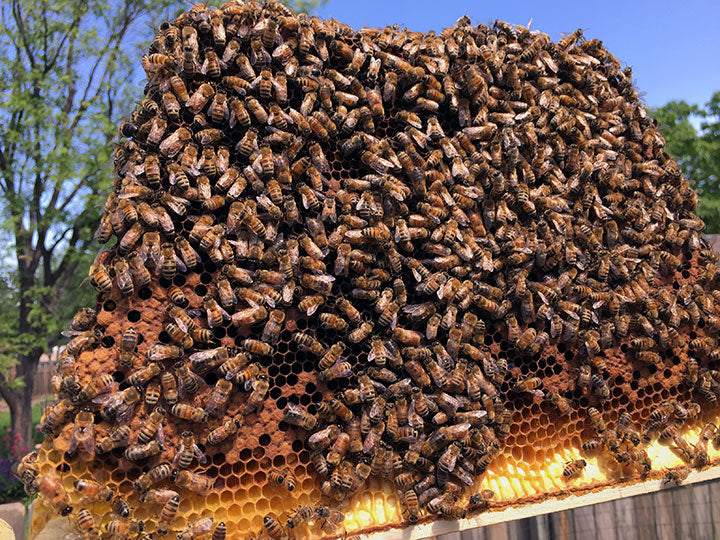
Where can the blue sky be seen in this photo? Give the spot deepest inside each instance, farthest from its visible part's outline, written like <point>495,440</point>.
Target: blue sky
<point>673,47</point>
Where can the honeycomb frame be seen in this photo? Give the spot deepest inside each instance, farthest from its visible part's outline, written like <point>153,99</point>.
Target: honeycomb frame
<point>242,493</point>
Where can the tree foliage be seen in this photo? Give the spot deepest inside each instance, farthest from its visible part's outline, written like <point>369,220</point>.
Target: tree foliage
<point>692,133</point>
<point>69,72</point>
<point>64,83</point>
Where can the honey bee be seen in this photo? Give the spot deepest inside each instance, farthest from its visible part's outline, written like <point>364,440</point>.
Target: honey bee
<point>300,516</point>
<point>295,415</point>
<point>412,506</point>
<point>562,404</point>
<point>118,438</point>
<point>677,476</point>
<point>271,331</point>
<point>143,451</point>
<point>119,527</point>
<point>584,375</point>
<point>26,471</point>
<point>154,476</point>
<point>120,405</point>
<point>83,433</point>
<point>151,426</point>
<point>215,314</point>
<point>92,491</point>
<point>188,450</point>
<point>350,311</point>
<point>257,347</point>
<point>683,448</point>
<point>260,387</point>
<point>167,515</point>
<point>86,523</point>
<point>227,429</point>
<point>272,527</point>
<point>596,420</point>
<point>200,528</point>
<point>52,489</point>
<point>197,483</point>
<point>140,377</point>
<point>574,468</point>
<point>706,434</point>
<point>189,412</point>
<point>178,336</point>
<point>600,387</point>
<point>528,385</point>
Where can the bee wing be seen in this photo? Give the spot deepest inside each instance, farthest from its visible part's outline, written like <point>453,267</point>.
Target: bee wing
<point>312,309</point>
<point>143,252</point>
<point>572,314</point>
<point>269,300</point>
<point>380,387</point>
<point>180,263</point>
<point>210,318</point>
<point>156,256</point>
<point>103,398</point>
<point>415,420</point>
<point>161,435</point>
<point>276,85</point>
<point>88,441</point>
<point>177,457</point>
<point>287,292</point>
<point>73,441</point>
<point>199,454</point>
<point>202,355</point>
<point>393,321</point>
<point>158,266</point>
<point>126,414</point>
<point>181,324</point>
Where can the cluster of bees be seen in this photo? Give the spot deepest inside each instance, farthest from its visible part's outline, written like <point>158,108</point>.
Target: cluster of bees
<point>493,181</point>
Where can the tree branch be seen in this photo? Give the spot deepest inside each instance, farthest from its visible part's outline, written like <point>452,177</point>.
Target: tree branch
<point>17,15</point>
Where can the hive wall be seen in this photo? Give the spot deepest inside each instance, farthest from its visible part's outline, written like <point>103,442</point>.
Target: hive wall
<point>569,217</point>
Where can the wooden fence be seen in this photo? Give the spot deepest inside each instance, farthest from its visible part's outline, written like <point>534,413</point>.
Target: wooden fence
<point>684,513</point>
<point>43,376</point>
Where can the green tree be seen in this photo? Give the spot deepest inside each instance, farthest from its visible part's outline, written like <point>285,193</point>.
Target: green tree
<point>64,82</point>
<point>696,149</point>
<point>68,72</point>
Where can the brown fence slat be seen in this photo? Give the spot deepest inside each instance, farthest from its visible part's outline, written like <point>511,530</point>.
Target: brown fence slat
<point>681,506</point>
<point>475,534</point>
<point>497,532</point>
<point>702,516</point>
<point>664,515</point>
<point>715,507</point>
<point>542,527</point>
<point>644,517</point>
<point>624,518</point>
<point>562,525</point>
<point>605,521</point>
<point>43,379</point>
<point>584,521</point>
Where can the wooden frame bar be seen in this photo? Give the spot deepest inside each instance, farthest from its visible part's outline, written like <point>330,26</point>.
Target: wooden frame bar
<point>430,530</point>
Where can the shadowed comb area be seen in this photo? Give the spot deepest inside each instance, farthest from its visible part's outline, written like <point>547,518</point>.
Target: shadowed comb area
<point>361,279</point>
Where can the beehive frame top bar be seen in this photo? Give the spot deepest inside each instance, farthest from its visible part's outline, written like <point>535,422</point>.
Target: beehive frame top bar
<point>357,280</point>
